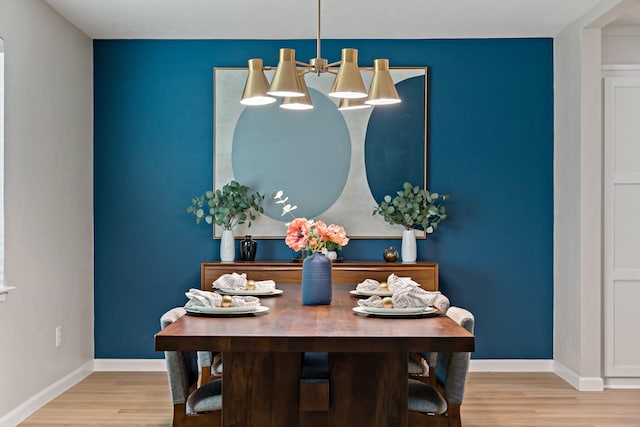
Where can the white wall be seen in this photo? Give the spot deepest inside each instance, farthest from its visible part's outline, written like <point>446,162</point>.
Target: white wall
<point>567,72</point>
<point>49,202</point>
<point>621,46</point>
<point>578,318</point>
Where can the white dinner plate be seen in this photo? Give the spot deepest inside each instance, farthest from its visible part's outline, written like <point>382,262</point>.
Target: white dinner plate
<point>371,293</point>
<point>255,292</point>
<point>226,310</point>
<point>395,312</point>
<point>406,310</point>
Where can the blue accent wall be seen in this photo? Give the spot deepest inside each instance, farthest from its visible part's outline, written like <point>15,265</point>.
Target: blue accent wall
<point>490,145</point>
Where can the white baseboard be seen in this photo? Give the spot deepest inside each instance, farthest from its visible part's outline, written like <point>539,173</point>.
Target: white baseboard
<point>476,365</point>
<point>129,365</point>
<point>37,401</point>
<point>578,382</point>
<point>481,365</point>
<point>511,365</point>
<point>622,383</point>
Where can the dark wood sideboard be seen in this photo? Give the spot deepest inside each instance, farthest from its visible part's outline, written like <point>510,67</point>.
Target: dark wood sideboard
<point>348,272</point>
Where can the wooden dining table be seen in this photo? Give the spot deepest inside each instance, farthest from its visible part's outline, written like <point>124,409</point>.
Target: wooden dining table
<point>368,380</point>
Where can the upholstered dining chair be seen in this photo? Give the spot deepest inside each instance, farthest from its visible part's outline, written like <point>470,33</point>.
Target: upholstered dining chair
<point>193,406</point>
<point>209,367</point>
<point>422,364</point>
<point>440,405</point>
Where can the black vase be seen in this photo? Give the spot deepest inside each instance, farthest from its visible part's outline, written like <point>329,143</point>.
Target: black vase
<point>248,249</point>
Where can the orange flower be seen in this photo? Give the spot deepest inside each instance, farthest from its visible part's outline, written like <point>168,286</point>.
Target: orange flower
<point>298,234</point>
<point>321,228</point>
<point>337,234</point>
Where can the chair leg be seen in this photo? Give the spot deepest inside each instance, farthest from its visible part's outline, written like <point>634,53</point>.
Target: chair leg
<point>207,419</point>
<point>179,414</point>
<point>419,419</point>
<point>453,414</point>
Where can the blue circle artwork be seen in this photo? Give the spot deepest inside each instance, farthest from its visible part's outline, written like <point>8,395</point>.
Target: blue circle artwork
<point>307,154</point>
<point>394,145</point>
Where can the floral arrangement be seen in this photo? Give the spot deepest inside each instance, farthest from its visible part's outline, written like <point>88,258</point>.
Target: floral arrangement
<point>314,235</point>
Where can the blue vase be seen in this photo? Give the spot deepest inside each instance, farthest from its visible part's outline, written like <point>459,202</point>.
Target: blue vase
<point>316,280</point>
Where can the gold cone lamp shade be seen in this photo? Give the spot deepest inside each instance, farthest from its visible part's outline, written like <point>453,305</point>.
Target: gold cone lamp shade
<point>255,89</point>
<point>289,83</point>
<point>285,81</point>
<point>348,82</point>
<point>382,90</point>
<point>352,104</point>
<point>298,102</point>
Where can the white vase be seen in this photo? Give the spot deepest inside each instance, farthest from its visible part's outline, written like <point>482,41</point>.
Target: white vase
<point>227,246</point>
<point>408,251</point>
<point>332,255</point>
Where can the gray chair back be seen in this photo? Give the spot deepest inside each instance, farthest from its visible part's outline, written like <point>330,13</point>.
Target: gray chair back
<point>182,367</point>
<point>452,368</point>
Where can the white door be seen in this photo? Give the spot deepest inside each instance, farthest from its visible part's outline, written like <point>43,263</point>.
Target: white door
<point>622,227</point>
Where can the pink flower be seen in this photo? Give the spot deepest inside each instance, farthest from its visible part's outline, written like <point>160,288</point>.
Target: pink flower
<point>321,228</point>
<point>337,234</point>
<point>298,234</point>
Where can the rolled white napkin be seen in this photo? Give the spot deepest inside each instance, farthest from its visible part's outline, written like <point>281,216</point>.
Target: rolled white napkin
<point>232,282</point>
<point>198,298</point>
<point>406,294</point>
<point>237,282</point>
<point>265,285</point>
<point>396,283</point>
<point>393,282</point>
<point>368,285</point>
<point>441,303</point>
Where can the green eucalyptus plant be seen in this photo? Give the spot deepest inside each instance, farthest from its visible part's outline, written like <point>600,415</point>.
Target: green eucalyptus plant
<point>231,205</point>
<point>413,207</point>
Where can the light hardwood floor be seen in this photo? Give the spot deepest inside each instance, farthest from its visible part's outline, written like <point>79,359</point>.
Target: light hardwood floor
<point>491,399</point>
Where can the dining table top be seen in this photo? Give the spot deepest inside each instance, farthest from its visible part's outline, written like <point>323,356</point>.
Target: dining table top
<point>290,326</point>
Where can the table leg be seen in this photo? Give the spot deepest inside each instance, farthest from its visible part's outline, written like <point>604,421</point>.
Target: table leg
<point>369,389</point>
<point>260,389</point>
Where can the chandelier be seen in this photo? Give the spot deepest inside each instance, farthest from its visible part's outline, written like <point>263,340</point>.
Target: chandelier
<point>288,81</point>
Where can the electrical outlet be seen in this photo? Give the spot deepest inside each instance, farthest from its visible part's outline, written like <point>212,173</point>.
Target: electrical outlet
<point>58,336</point>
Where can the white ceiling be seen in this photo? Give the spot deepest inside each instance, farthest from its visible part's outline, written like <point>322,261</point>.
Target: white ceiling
<point>297,19</point>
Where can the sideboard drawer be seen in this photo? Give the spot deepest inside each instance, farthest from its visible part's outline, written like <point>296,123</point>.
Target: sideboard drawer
<point>352,272</point>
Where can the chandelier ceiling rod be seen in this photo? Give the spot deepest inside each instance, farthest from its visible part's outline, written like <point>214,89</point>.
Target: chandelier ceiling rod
<point>318,34</point>
<point>318,64</point>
